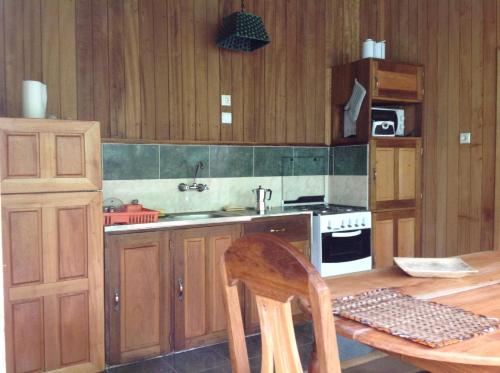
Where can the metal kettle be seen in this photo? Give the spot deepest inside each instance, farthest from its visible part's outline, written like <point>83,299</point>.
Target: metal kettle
<point>261,194</point>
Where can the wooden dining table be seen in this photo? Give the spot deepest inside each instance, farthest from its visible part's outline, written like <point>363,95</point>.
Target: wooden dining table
<point>478,293</point>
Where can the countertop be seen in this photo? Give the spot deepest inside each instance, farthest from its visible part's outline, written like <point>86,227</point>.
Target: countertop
<point>227,217</point>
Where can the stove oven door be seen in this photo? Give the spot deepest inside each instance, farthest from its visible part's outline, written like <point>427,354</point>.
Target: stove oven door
<point>345,252</point>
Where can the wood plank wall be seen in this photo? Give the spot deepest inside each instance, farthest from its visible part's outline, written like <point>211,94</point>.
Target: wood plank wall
<point>150,70</point>
<point>457,41</point>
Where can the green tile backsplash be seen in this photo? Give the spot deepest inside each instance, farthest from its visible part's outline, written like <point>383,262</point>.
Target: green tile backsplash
<point>273,161</point>
<point>180,161</point>
<point>130,162</point>
<point>310,161</point>
<point>350,160</point>
<point>231,161</point>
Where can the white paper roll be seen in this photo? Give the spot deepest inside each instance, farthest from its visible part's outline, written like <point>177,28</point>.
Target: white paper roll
<point>34,99</point>
<point>368,48</point>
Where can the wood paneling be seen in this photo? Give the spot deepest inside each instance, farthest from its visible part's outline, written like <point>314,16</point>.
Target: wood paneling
<point>150,69</point>
<point>27,319</point>
<point>140,292</point>
<point>456,40</point>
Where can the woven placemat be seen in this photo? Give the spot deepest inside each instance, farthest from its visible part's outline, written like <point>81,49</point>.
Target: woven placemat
<point>429,323</point>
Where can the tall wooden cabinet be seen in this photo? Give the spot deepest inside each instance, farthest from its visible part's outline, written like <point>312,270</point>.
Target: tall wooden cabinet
<point>138,294</point>
<point>200,316</point>
<point>52,245</point>
<point>395,163</point>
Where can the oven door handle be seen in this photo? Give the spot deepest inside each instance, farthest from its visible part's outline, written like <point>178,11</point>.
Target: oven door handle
<point>347,234</point>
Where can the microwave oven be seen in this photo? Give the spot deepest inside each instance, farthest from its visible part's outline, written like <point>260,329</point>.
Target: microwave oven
<point>388,121</point>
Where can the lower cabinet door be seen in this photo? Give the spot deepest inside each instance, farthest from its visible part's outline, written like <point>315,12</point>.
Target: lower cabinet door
<point>138,296</point>
<point>395,233</point>
<point>200,316</point>
<point>53,277</point>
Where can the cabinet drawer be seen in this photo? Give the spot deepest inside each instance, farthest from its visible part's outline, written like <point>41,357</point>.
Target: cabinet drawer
<point>293,228</point>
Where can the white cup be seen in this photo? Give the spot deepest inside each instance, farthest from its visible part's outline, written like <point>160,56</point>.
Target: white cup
<point>34,99</point>
<point>368,48</point>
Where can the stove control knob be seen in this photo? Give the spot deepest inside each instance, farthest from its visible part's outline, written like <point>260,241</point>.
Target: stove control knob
<point>363,222</point>
<point>356,224</point>
<point>349,224</point>
<point>342,224</point>
<point>329,226</point>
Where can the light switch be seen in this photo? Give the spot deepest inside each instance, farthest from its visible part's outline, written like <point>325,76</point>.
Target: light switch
<point>465,138</point>
<point>225,100</point>
<point>226,118</point>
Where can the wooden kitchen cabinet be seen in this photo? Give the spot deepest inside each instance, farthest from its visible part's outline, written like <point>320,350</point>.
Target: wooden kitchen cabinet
<point>395,233</point>
<point>200,316</point>
<point>39,155</point>
<point>138,296</point>
<point>53,280</point>
<point>395,173</point>
<point>396,81</point>
<point>297,231</point>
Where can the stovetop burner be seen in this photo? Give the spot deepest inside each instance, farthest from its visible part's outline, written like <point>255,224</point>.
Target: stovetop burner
<point>336,209</point>
<point>328,209</point>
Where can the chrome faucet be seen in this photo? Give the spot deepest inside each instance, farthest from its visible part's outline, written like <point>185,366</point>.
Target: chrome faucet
<point>183,187</point>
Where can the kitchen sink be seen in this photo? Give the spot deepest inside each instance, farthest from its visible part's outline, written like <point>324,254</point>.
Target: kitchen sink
<point>200,215</point>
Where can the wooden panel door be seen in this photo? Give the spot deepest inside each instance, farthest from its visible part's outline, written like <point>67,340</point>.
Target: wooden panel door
<point>200,317</point>
<point>395,233</point>
<point>395,173</point>
<point>138,296</point>
<point>397,82</point>
<point>53,278</point>
<point>38,155</point>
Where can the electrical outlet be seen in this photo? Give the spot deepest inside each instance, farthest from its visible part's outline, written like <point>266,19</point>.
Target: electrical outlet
<point>465,138</point>
<point>225,100</point>
<point>226,118</point>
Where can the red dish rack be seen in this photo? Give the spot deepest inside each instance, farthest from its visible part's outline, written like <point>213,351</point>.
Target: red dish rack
<point>131,214</point>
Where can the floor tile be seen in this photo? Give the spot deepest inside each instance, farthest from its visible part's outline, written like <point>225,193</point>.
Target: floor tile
<point>198,360</point>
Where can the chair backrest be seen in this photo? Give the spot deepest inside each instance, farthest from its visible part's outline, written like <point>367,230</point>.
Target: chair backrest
<point>276,273</point>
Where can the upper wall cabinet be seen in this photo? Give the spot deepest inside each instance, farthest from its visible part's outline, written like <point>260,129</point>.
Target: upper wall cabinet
<point>395,82</point>
<point>49,156</point>
<point>387,84</point>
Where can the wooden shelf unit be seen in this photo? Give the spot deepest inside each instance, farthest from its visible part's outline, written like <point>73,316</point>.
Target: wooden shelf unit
<point>387,84</point>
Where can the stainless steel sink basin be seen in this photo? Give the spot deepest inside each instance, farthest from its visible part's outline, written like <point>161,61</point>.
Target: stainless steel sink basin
<point>194,215</point>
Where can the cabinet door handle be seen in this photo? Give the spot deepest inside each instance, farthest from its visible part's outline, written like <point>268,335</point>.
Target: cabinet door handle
<point>376,82</point>
<point>277,230</point>
<point>116,300</point>
<point>180,293</point>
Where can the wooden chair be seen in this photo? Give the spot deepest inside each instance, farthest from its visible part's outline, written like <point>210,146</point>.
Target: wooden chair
<point>276,272</point>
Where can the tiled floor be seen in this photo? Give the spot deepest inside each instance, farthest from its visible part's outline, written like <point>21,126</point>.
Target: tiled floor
<point>215,359</point>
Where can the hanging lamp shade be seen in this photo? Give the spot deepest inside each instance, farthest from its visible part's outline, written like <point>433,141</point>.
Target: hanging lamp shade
<point>242,31</point>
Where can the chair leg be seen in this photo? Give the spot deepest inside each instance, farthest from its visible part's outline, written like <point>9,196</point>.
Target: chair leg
<point>313,366</point>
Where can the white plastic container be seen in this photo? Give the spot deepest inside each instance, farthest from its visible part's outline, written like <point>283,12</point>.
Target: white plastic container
<point>368,48</point>
<point>34,99</point>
